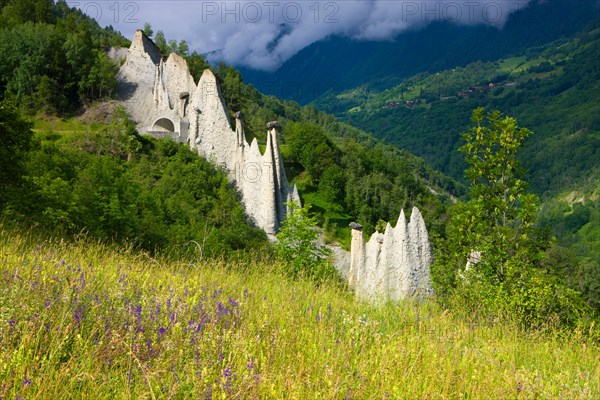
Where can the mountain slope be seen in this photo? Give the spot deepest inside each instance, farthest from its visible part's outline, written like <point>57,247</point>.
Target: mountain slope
<point>317,69</point>
<point>553,90</point>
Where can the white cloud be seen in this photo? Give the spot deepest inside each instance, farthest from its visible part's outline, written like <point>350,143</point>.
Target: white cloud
<point>263,34</point>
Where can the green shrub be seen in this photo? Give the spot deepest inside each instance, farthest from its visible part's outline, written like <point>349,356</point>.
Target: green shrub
<point>298,247</point>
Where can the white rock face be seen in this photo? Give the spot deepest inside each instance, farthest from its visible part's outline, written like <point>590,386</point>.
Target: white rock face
<point>163,100</point>
<point>393,265</point>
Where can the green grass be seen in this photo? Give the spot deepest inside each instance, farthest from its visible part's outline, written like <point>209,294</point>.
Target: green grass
<point>338,218</point>
<point>511,64</point>
<point>86,320</point>
<point>62,125</point>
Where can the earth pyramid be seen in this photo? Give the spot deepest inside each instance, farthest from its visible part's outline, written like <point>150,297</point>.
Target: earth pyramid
<point>164,101</point>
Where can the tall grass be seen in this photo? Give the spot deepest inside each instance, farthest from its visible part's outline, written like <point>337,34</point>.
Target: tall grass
<point>85,320</point>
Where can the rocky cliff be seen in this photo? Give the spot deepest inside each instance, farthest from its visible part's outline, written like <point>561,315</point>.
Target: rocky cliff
<point>164,101</point>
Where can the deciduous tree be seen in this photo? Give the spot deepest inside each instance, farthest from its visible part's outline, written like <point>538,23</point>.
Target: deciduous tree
<point>497,225</point>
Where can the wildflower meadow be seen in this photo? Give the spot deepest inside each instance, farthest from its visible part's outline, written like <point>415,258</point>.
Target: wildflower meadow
<point>88,320</point>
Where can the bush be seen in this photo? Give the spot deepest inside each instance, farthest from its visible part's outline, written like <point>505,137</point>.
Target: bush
<point>298,247</point>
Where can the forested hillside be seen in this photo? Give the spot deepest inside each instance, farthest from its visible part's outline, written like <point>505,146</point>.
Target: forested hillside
<point>553,89</point>
<point>53,57</point>
<point>343,173</point>
<point>106,181</point>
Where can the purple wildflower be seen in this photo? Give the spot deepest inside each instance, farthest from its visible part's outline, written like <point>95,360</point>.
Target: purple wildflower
<point>227,374</point>
<point>208,393</point>
<point>78,314</point>
<point>138,311</point>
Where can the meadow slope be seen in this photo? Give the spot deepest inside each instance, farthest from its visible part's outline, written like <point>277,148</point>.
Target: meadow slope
<point>86,320</point>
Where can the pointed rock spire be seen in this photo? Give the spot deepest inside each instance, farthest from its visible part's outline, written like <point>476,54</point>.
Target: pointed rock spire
<point>154,90</point>
<point>393,265</point>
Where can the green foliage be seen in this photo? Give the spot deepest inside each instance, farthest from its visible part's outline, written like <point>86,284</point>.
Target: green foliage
<point>498,219</point>
<point>58,65</point>
<point>560,105</point>
<point>588,280</point>
<point>116,185</point>
<point>235,93</point>
<point>171,46</point>
<point>497,223</point>
<point>22,11</point>
<point>161,42</point>
<point>148,30</point>
<point>309,146</point>
<point>197,64</point>
<point>298,247</point>
<point>15,138</point>
<point>100,81</point>
<point>551,89</point>
<point>54,64</point>
<point>574,217</point>
<point>342,173</point>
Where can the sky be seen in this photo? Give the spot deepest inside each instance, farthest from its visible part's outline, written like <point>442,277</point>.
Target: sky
<point>263,34</point>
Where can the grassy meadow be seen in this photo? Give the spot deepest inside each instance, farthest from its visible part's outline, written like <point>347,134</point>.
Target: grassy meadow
<point>88,320</point>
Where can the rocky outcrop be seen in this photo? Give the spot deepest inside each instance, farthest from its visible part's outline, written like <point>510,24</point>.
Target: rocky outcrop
<point>393,265</point>
<point>163,99</point>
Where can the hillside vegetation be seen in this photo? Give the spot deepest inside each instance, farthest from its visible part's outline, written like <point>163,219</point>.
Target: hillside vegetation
<point>342,174</point>
<point>91,320</point>
<point>108,182</point>
<point>553,89</point>
<point>52,57</point>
